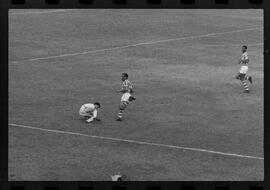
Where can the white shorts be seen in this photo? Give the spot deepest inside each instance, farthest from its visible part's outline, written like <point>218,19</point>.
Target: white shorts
<point>243,69</point>
<point>125,97</point>
<point>82,112</point>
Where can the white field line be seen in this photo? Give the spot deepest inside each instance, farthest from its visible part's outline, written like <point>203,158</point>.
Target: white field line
<point>138,142</point>
<point>134,45</point>
<point>229,45</point>
<point>39,12</point>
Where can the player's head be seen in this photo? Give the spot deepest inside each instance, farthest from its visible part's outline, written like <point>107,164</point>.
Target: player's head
<point>124,76</point>
<point>244,48</point>
<point>97,105</point>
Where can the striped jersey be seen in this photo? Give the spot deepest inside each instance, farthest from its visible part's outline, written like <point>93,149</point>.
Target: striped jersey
<point>244,58</point>
<point>127,86</point>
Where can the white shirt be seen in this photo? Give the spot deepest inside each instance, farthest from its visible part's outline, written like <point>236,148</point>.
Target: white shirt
<point>90,108</point>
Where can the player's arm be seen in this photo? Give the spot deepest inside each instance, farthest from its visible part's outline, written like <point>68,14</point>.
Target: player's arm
<point>240,61</point>
<point>87,109</point>
<point>93,117</point>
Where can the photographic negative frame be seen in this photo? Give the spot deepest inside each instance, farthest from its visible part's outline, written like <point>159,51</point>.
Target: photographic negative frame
<point>50,4</point>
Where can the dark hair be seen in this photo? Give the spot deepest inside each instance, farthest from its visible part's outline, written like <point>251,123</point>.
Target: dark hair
<point>97,103</point>
<point>125,74</point>
<point>244,46</point>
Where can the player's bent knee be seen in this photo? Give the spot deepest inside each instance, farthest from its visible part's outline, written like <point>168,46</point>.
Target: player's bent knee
<point>242,76</point>
<point>122,106</point>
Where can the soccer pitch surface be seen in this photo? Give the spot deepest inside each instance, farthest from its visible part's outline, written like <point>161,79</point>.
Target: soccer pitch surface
<point>190,121</point>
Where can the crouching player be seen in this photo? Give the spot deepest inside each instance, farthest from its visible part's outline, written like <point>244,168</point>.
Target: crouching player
<point>89,111</point>
<point>127,90</point>
<point>242,75</point>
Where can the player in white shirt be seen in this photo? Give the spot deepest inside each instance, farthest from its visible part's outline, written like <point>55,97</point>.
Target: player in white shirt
<point>242,75</point>
<point>89,111</point>
<point>127,90</point>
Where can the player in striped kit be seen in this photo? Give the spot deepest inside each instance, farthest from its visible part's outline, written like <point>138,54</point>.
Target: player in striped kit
<point>242,75</point>
<point>89,111</point>
<point>127,90</point>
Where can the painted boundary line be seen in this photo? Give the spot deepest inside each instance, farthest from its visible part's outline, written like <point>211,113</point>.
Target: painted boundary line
<point>229,45</point>
<point>138,142</point>
<point>134,45</point>
<point>39,12</point>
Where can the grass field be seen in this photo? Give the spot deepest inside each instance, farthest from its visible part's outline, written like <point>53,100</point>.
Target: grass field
<point>182,64</point>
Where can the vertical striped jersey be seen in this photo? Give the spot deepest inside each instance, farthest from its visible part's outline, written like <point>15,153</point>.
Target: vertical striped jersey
<point>127,86</point>
<point>244,58</point>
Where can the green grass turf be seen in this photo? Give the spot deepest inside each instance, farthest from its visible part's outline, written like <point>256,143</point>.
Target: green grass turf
<point>186,95</point>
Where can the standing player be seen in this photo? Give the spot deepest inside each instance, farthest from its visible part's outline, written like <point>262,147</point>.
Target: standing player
<point>89,111</point>
<point>242,75</point>
<point>127,90</point>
